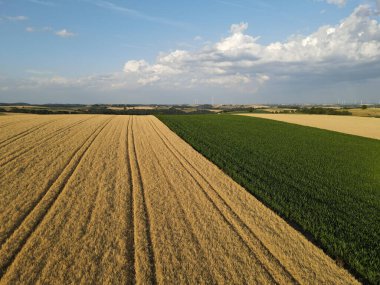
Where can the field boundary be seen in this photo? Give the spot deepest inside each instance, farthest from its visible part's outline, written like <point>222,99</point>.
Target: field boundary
<point>240,224</point>
<point>307,234</point>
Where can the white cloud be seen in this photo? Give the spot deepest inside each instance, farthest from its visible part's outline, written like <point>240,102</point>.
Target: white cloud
<point>135,66</point>
<point>238,28</point>
<point>64,33</point>
<point>38,72</point>
<point>339,3</point>
<point>331,52</point>
<point>36,29</point>
<point>44,3</point>
<point>16,18</point>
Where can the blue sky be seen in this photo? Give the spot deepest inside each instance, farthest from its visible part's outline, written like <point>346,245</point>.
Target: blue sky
<point>92,51</point>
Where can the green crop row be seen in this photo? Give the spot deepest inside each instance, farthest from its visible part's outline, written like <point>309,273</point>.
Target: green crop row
<point>325,183</point>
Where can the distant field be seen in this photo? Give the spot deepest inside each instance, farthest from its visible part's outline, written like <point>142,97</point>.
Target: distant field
<point>366,127</point>
<point>369,112</point>
<point>327,183</point>
<point>122,200</point>
<point>133,108</point>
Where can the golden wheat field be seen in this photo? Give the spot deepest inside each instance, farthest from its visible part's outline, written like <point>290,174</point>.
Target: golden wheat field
<point>122,200</point>
<point>359,126</point>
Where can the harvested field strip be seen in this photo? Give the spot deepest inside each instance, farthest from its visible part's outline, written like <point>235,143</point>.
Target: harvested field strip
<point>309,178</point>
<point>131,202</point>
<point>359,126</point>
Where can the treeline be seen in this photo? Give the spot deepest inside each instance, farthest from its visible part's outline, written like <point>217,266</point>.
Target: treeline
<point>244,110</point>
<point>37,111</point>
<point>323,111</point>
<point>168,111</point>
<point>95,110</point>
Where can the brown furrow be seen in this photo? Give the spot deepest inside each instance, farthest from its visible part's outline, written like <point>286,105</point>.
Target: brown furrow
<point>41,142</point>
<point>130,215</point>
<point>147,218</point>
<point>8,255</point>
<point>240,222</point>
<point>24,133</point>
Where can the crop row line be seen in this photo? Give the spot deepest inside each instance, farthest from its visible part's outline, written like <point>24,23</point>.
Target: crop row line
<point>141,211</point>
<point>24,133</point>
<point>41,142</point>
<point>24,229</point>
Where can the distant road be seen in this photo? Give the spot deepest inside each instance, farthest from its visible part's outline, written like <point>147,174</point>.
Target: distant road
<point>359,126</point>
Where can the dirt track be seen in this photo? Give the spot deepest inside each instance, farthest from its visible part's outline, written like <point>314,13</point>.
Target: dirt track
<point>122,199</point>
<point>359,126</point>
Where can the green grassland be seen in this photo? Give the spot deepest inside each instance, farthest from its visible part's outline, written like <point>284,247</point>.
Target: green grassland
<point>326,184</point>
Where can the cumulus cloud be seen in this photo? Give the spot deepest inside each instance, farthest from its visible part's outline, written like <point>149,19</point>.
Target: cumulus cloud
<point>44,3</point>
<point>30,29</point>
<point>340,52</point>
<point>16,18</point>
<point>64,33</point>
<point>35,29</point>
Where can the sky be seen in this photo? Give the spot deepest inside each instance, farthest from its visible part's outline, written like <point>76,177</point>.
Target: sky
<point>186,52</point>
